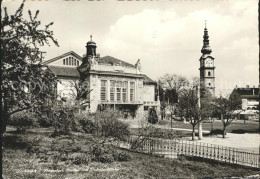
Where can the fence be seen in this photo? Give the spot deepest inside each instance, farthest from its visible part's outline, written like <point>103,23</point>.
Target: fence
<point>172,148</point>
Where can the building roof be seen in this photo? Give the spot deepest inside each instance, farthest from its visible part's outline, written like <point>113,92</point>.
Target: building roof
<point>61,56</point>
<point>248,93</point>
<point>114,61</point>
<point>65,71</point>
<point>148,80</point>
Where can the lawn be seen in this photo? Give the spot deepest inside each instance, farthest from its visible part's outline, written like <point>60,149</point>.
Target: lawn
<point>20,162</point>
<point>235,127</point>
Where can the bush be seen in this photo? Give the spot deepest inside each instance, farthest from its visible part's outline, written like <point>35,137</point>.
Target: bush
<point>109,125</point>
<point>107,154</point>
<point>124,157</point>
<point>81,159</point>
<point>152,117</point>
<point>22,121</point>
<point>163,122</point>
<point>106,158</point>
<point>216,132</point>
<point>45,121</point>
<point>86,123</point>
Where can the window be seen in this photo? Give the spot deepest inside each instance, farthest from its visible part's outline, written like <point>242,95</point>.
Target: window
<point>63,61</point>
<point>209,74</point>
<point>103,90</point>
<point>124,91</point>
<point>209,84</point>
<point>118,90</point>
<point>112,90</point>
<point>132,91</point>
<point>77,63</point>
<point>67,61</point>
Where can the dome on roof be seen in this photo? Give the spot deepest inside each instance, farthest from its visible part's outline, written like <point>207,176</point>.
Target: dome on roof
<point>92,43</point>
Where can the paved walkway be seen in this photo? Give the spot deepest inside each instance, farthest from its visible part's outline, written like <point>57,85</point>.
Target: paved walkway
<point>244,141</point>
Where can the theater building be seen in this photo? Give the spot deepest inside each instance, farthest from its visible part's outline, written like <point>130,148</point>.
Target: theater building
<point>112,82</point>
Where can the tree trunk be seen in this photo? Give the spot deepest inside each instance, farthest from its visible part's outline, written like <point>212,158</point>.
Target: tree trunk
<point>5,117</point>
<point>193,132</point>
<point>224,131</point>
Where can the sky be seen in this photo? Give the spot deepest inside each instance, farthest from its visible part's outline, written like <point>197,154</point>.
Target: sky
<point>166,35</point>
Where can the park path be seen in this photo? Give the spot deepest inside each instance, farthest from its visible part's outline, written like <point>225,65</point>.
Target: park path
<point>243,141</point>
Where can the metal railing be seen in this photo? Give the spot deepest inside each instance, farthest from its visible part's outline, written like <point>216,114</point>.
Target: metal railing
<point>172,148</point>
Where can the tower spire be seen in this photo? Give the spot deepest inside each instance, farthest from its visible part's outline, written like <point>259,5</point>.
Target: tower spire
<point>206,48</point>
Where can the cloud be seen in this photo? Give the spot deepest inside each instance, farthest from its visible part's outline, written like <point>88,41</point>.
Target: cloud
<point>167,42</point>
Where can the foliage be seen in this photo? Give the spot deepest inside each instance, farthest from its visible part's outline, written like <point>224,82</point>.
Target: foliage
<point>216,132</point>
<point>63,120</point>
<point>170,86</point>
<point>195,104</point>
<point>108,154</point>
<point>87,123</point>
<point>22,121</point>
<point>25,84</point>
<point>223,110</point>
<point>124,156</point>
<point>81,159</point>
<point>152,117</point>
<point>109,125</point>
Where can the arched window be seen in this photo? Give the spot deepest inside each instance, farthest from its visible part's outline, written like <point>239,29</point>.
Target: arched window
<point>77,63</point>
<point>66,61</point>
<point>209,84</point>
<point>69,61</point>
<point>63,61</point>
<point>209,74</point>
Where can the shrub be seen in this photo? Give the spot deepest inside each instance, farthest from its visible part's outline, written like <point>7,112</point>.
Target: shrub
<point>81,159</point>
<point>152,117</point>
<point>22,121</point>
<point>45,121</point>
<point>110,126</point>
<point>216,132</point>
<point>106,158</point>
<point>86,123</point>
<point>163,122</point>
<point>124,156</point>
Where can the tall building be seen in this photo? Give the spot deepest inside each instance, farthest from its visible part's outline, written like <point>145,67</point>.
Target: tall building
<point>207,68</point>
<point>112,82</point>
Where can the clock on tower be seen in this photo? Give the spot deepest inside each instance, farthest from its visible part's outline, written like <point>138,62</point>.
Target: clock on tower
<point>207,68</point>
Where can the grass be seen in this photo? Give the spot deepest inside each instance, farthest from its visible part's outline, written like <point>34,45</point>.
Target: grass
<point>17,163</point>
<point>234,127</point>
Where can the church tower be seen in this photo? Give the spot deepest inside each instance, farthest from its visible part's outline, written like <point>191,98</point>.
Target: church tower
<point>207,68</point>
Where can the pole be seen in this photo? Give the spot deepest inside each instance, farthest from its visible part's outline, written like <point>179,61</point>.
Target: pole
<point>200,122</point>
<point>171,119</point>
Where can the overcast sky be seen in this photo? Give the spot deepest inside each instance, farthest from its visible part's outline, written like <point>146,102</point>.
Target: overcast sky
<point>167,36</point>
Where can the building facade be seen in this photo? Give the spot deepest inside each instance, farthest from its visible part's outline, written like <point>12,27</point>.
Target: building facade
<point>207,68</point>
<point>111,82</point>
<point>249,97</point>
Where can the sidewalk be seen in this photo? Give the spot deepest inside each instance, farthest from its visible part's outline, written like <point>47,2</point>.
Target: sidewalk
<point>243,141</point>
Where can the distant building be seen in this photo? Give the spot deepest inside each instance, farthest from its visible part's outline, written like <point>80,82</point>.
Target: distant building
<point>207,68</point>
<point>113,82</point>
<point>249,97</point>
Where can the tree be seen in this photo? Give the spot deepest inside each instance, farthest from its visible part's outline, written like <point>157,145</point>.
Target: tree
<point>224,110</point>
<point>190,108</point>
<point>25,83</point>
<point>195,105</point>
<point>172,84</point>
